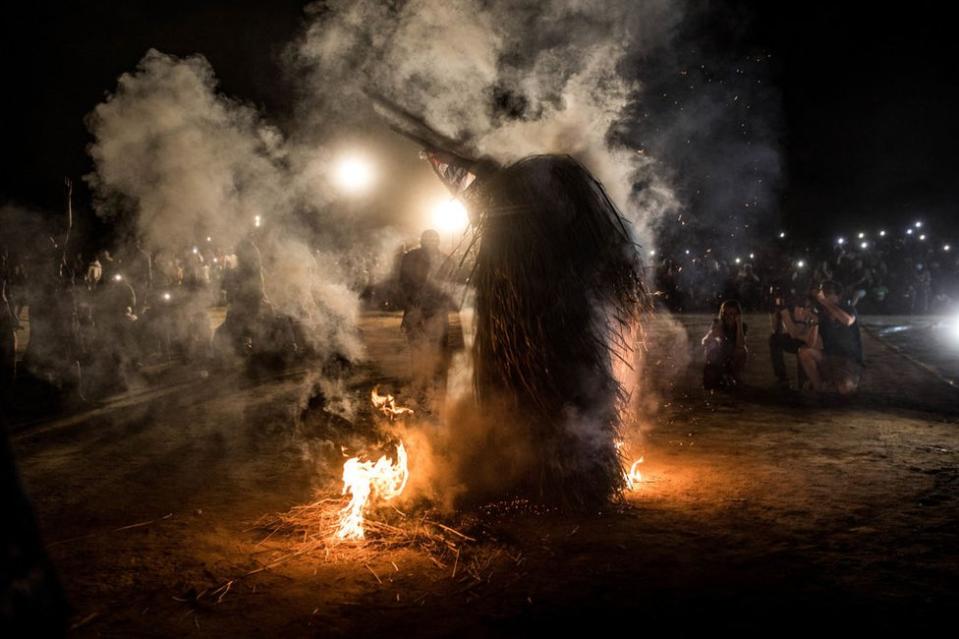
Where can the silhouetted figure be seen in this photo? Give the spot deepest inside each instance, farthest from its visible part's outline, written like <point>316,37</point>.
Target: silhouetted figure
<point>245,298</point>
<point>724,347</point>
<point>838,366</point>
<point>425,313</point>
<point>32,603</point>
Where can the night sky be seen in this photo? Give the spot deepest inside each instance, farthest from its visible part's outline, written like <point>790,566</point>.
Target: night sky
<point>867,123</point>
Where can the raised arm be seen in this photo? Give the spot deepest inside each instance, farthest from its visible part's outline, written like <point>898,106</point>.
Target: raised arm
<point>835,311</point>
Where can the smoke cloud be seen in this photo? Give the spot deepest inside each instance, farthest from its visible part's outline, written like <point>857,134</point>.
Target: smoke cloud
<point>178,161</point>
<point>512,80</point>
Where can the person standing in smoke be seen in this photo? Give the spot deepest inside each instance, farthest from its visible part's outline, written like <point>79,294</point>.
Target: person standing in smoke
<point>245,298</point>
<point>559,293</point>
<point>114,347</point>
<point>425,314</point>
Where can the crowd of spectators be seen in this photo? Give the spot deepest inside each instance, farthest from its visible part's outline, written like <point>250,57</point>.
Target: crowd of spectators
<point>90,319</point>
<point>906,274</point>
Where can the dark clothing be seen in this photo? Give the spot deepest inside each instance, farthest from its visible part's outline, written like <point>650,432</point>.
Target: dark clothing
<point>32,602</point>
<point>779,344</point>
<point>729,334</point>
<point>723,364</point>
<point>839,340</point>
<point>424,304</point>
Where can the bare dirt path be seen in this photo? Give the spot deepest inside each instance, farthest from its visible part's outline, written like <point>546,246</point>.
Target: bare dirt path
<point>765,513</point>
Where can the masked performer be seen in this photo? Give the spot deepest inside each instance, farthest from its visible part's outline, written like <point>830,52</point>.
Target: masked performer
<point>559,292</point>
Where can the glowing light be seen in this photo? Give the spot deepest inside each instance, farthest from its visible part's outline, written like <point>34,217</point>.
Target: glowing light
<point>908,231</point>
<point>882,233</point>
<point>687,251</point>
<point>922,237</point>
<point>752,256</point>
<point>801,263</point>
<point>918,225</point>
<point>195,250</point>
<point>861,235</point>
<point>782,234</point>
<point>652,252</point>
<point>354,174</point>
<point>955,327</point>
<point>257,220</point>
<point>209,239</point>
<point>634,477</point>
<point>167,297</point>
<point>840,241</point>
<point>117,278</point>
<point>737,260</point>
<point>946,247</point>
<point>450,216</point>
<point>864,245</point>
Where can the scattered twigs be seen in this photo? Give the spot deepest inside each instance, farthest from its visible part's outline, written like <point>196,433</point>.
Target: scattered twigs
<point>311,529</point>
<point>374,574</point>
<point>140,524</point>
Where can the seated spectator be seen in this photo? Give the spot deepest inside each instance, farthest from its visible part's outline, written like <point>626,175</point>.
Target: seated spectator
<point>794,327</point>
<point>838,366</point>
<point>725,348</point>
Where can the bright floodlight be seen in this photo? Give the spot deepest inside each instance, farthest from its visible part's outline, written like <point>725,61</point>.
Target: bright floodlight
<point>450,216</point>
<point>354,174</point>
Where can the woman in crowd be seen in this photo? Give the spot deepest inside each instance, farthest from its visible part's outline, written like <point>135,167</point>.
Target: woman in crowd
<point>724,347</point>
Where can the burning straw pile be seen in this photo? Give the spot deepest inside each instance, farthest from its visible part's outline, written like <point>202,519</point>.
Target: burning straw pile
<point>322,526</point>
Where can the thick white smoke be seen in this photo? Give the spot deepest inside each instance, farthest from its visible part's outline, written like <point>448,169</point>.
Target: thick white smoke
<point>191,163</point>
<point>514,78</point>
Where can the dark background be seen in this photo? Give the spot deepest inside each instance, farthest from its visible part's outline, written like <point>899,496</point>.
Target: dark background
<point>867,97</point>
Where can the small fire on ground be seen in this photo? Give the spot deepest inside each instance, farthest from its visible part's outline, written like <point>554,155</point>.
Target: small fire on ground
<point>367,481</point>
<point>634,477</point>
<point>386,404</point>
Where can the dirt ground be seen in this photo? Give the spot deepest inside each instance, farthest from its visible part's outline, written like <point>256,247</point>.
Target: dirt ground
<point>762,513</point>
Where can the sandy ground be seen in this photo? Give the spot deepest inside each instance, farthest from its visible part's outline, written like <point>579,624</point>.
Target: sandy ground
<point>763,513</point>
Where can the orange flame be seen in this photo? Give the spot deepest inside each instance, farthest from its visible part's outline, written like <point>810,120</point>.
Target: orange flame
<point>382,479</point>
<point>634,477</point>
<point>386,404</point>
<point>366,480</point>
